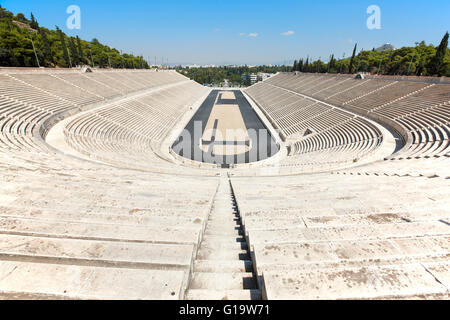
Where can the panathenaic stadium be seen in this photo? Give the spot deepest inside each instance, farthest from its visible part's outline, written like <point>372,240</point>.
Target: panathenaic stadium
<point>146,185</point>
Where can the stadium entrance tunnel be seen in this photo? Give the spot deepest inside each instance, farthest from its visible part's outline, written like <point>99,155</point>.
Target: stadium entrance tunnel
<point>226,131</point>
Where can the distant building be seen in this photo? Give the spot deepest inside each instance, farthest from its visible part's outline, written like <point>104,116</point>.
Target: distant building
<point>264,76</point>
<point>386,47</point>
<point>256,77</point>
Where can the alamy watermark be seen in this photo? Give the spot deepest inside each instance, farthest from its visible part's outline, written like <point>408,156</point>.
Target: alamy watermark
<point>374,20</point>
<point>74,20</point>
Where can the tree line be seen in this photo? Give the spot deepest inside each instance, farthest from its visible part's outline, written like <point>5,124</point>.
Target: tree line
<point>24,43</point>
<point>421,60</point>
<point>217,75</point>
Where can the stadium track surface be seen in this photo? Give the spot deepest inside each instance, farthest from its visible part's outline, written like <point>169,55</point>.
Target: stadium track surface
<point>251,120</point>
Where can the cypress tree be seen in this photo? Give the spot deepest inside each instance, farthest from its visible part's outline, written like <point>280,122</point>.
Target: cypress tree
<point>300,65</point>
<point>350,68</point>
<point>80,51</point>
<point>74,52</point>
<point>34,24</point>
<point>437,63</point>
<point>48,56</point>
<point>63,46</point>
<point>295,67</point>
<point>331,63</point>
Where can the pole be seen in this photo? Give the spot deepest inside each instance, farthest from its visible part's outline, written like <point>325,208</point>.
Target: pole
<point>35,54</point>
<point>410,64</point>
<point>92,59</point>
<point>343,57</point>
<point>379,66</point>
<point>68,53</point>
<point>359,62</point>
<point>419,58</point>
<point>329,64</point>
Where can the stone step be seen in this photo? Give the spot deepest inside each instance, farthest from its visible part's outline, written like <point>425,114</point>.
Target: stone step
<point>223,220</point>
<point>350,233</point>
<point>224,231</point>
<point>216,245</point>
<point>223,224</point>
<point>218,266</point>
<point>105,219</point>
<point>222,211</point>
<point>340,252</point>
<point>223,195</point>
<point>221,230</point>
<point>97,231</point>
<point>351,283</point>
<point>128,218</point>
<point>222,281</point>
<point>214,238</point>
<point>224,295</point>
<point>97,253</point>
<point>25,279</point>
<point>227,254</point>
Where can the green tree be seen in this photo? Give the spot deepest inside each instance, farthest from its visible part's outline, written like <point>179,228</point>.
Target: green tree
<point>5,13</point>
<point>295,67</point>
<point>300,65</point>
<point>437,66</point>
<point>6,57</point>
<point>34,24</point>
<point>80,51</point>
<point>74,52</point>
<point>52,49</point>
<point>21,18</point>
<point>352,60</point>
<point>65,52</point>
<point>306,65</point>
<point>48,56</point>
<point>331,64</point>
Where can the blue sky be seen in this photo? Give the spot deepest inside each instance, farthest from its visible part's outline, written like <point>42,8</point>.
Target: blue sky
<point>244,31</point>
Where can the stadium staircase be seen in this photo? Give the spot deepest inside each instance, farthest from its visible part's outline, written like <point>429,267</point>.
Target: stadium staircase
<point>223,269</point>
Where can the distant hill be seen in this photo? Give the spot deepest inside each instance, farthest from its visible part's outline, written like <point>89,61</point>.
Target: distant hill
<point>386,47</point>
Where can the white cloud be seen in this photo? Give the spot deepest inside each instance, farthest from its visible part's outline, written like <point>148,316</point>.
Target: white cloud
<point>288,33</point>
<point>252,34</point>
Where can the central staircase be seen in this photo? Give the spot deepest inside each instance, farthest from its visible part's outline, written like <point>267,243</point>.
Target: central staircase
<point>223,269</point>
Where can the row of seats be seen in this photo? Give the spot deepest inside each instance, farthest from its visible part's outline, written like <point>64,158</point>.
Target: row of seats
<point>73,229</point>
<point>419,110</point>
<point>77,229</point>
<point>318,133</point>
<point>327,236</point>
<point>27,99</point>
<point>125,132</point>
<point>373,231</point>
